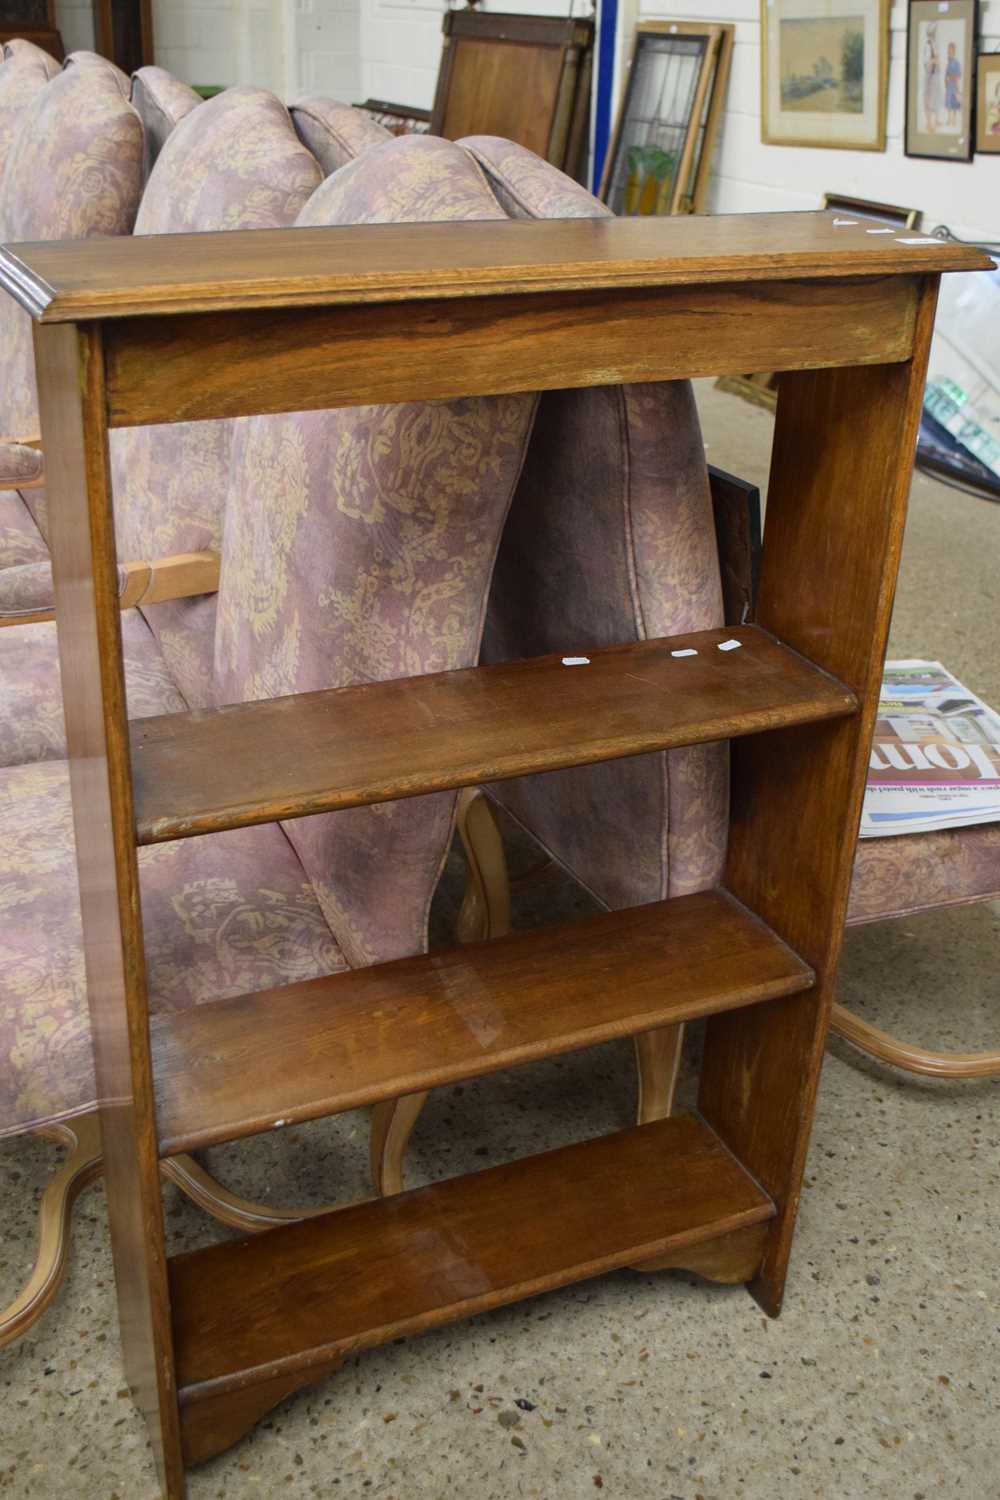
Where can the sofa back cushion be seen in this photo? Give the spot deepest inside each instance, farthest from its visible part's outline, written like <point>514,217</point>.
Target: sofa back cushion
<point>335,133</point>
<point>24,71</point>
<point>610,539</point>
<point>526,187</point>
<point>235,162</point>
<point>359,545</point>
<point>162,102</point>
<point>73,170</point>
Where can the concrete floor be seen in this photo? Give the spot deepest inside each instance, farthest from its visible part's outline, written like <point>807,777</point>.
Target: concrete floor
<point>879,1379</point>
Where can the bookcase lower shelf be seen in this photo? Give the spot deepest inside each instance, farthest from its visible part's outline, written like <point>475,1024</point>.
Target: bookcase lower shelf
<point>256,1319</point>
<point>234,1067</point>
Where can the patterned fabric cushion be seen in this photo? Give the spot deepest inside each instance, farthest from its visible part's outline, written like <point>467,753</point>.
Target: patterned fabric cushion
<point>26,589</point>
<point>358,547</point>
<point>29,588</point>
<point>31,717</point>
<point>233,163</point>
<point>335,133</point>
<point>73,170</point>
<point>85,59</point>
<point>526,187</point>
<point>610,539</point>
<point>223,915</point>
<point>919,871</point>
<point>24,72</point>
<point>20,539</point>
<point>162,101</point>
<point>19,464</point>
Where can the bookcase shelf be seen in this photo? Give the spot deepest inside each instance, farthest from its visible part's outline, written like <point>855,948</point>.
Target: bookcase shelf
<point>287,757</point>
<point>191,327</point>
<point>290,1302</point>
<point>234,1067</point>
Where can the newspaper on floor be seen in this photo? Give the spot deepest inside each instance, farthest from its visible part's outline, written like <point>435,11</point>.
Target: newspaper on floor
<point>935,759</point>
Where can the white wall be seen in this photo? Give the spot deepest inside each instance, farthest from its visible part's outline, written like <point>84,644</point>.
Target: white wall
<point>75,20</point>
<point>750,175</point>
<point>290,46</point>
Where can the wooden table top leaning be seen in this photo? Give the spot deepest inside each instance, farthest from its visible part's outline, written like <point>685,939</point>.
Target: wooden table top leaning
<point>151,330</point>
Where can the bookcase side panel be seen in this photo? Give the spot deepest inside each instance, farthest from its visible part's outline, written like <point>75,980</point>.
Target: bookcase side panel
<point>71,388</point>
<point>840,474</point>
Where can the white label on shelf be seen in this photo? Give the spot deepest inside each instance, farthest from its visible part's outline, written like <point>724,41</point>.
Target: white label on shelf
<point>576,661</point>
<point>838,222</point>
<point>729,645</point>
<point>880,231</point>
<point>688,651</point>
<point>923,240</point>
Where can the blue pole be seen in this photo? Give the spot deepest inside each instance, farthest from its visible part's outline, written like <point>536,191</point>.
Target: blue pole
<point>607,26</point>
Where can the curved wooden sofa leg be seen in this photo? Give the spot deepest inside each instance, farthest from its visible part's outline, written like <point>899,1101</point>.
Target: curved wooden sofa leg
<point>485,913</point>
<point>889,1049</point>
<point>392,1125</point>
<point>485,909</point>
<point>239,1213</point>
<point>658,1061</point>
<point>81,1167</point>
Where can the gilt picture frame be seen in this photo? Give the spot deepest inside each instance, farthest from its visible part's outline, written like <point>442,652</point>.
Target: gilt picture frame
<point>988,103</point>
<point>824,73</point>
<point>940,79</point>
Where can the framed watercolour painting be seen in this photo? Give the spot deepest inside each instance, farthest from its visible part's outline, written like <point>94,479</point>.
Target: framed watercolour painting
<point>824,73</point>
<point>940,69</point>
<point>988,102</point>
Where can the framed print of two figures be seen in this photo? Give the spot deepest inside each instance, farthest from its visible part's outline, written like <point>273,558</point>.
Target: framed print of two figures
<point>940,78</point>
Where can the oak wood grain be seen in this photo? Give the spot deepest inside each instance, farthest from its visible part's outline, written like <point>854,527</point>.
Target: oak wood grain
<point>71,399</point>
<point>222,365</point>
<point>207,770</point>
<point>840,472</point>
<point>73,280</point>
<point>237,1066</point>
<point>291,1300</point>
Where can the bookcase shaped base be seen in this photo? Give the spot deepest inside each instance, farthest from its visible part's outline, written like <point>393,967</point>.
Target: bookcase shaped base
<point>257,1319</point>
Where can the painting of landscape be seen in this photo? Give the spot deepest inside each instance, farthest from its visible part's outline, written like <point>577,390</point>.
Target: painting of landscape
<point>822,64</point>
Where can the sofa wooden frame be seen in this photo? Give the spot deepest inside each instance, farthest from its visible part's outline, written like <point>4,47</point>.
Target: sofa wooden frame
<point>182,328</point>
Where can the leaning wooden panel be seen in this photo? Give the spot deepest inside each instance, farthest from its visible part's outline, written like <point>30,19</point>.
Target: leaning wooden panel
<point>71,399</point>
<point>840,475</point>
<point>189,368</point>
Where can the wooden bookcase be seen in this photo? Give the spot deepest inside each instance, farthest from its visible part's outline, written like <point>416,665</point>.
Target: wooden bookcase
<point>149,330</point>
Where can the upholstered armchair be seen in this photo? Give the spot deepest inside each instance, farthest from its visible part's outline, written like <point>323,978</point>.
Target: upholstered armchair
<point>25,70</point>
<point>234,163</point>
<point>610,539</point>
<point>71,169</point>
<point>389,559</point>
<point>222,916</point>
<point>355,545</point>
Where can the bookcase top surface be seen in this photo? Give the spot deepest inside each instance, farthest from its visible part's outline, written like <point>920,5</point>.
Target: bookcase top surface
<point>156,275</point>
